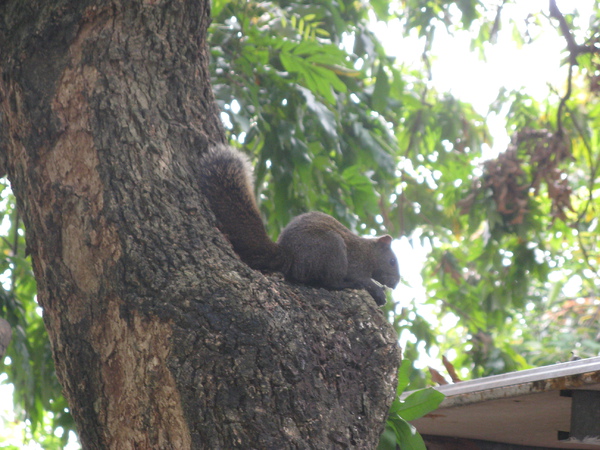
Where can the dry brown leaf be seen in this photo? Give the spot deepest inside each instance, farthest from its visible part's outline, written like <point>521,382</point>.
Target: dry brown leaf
<point>451,370</point>
<point>437,377</point>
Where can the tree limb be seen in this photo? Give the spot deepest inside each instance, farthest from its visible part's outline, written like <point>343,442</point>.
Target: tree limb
<point>574,51</point>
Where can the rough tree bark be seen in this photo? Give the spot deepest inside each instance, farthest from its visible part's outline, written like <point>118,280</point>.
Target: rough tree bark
<point>162,338</point>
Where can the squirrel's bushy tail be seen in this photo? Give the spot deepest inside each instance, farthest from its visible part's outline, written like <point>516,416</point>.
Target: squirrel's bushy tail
<point>226,180</point>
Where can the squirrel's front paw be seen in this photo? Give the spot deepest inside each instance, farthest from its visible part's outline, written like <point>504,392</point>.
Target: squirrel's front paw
<point>379,296</point>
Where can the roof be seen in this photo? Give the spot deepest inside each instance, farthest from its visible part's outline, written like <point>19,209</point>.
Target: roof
<point>529,408</point>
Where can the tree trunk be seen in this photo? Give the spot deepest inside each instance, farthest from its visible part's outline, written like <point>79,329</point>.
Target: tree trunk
<point>162,337</point>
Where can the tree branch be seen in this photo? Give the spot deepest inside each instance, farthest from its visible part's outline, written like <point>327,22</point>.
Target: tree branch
<point>574,51</point>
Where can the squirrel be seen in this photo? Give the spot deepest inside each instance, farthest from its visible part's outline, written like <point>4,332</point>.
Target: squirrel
<point>313,249</point>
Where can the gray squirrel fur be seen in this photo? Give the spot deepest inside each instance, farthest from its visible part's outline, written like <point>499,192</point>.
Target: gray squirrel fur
<point>313,249</point>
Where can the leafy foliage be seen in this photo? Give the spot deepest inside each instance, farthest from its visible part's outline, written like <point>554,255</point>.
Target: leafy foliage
<point>416,405</point>
<point>28,365</point>
<point>337,125</point>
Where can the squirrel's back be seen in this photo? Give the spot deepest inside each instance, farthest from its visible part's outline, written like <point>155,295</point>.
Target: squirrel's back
<point>324,252</point>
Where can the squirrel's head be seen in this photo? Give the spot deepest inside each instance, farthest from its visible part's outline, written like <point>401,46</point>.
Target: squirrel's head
<point>385,263</point>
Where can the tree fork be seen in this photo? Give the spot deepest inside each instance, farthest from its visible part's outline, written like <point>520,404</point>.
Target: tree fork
<point>161,337</point>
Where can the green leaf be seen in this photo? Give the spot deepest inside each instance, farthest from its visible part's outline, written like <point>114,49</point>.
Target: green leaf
<point>381,91</point>
<point>327,119</point>
<point>407,436</point>
<point>404,375</point>
<point>419,403</point>
<point>387,441</point>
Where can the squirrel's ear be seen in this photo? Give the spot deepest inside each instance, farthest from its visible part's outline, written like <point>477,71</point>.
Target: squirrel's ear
<point>385,240</point>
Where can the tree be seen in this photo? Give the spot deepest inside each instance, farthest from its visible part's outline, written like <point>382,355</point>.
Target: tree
<point>335,124</point>
<point>161,337</point>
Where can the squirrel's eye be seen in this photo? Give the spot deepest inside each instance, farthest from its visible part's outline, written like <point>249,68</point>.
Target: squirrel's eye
<point>393,262</point>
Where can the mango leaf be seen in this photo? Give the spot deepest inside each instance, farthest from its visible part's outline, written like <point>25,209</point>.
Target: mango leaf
<point>381,91</point>
<point>326,117</point>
